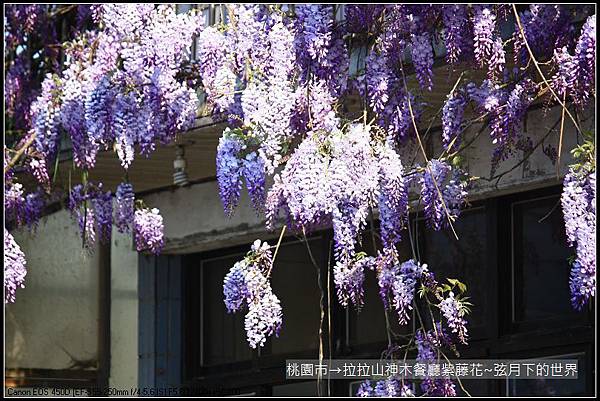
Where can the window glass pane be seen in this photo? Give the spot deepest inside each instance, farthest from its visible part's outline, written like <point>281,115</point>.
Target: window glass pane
<point>224,334</point>
<point>552,387</point>
<point>463,259</point>
<point>541,270</point>
<point>368,325</point>
<point>294,281</point>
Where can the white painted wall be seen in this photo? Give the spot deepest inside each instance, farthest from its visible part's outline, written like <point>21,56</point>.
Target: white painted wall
<point>124,312</point>
<point>59,305</point>
<point>58,308</point>
<point>197,211</point>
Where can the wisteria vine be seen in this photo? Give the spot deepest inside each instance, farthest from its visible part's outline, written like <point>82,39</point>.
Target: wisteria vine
<point>281,78</point>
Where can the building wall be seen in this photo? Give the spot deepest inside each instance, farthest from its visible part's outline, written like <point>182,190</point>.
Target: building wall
<point>58,310</point>
<point>56,314</point>
<point>124,312</point>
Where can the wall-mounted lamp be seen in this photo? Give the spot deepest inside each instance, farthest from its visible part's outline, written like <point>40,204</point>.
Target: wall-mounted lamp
<point>180,176</point>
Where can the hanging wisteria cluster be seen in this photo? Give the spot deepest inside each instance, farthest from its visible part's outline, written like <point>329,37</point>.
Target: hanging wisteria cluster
<point>14,267</point>
<point>578,202</point>
<point>443,193</point>
<point>119,87</point>
<point>148,230</point>
<point>92,207</point>
<point>247,286</point>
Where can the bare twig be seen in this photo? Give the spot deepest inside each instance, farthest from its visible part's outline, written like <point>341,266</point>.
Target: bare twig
<point>560,139</point>
<point>276,250</point>
<point>321,307</point>
<point>19,153</point>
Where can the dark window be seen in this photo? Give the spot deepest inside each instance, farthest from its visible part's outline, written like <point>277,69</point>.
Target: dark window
<point>540,270</point>
<point>224,339</point>
<point>294,281</point>
<point>463,258</point>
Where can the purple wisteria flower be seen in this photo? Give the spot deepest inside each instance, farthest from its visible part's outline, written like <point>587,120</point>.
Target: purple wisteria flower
<point>361,17</point>
<point>235,160</point>
<point>458,32</point>
<point>14,202</point>
<point>484,26</point>
<point>576,75</point>
<point>254,174</point>
<point>488,45</point>
<point>247,285</point>
<point>124,207</point>
<point>422,57</point>
<point>349,279</point>
<point>148,230</point>
<point>385,91</point>
<point>546,27</point>
<point>390,387</point>
<point>387,266</point>
<point>234,287</point>
<point>352,180</point>
<point>398,282</point>
<point>452,311</point>
<point>212,55</point>
<point>264,318</point>
<point>320,48</point>
<point>425,346</point>
<point>21,209</point>
<point>442,201</point>
<point>579,209</point>
<point>92,207</point>
<point>103,209</point>
<point>393,196</point>
<point>229,170</point>
<point>15,268</point>
<point>46,122</point>
<point>438,387</point>
<point>404,286</point>
<point>507,110</point>
<point>585,54</point>
<point>452,116</point>
<point>303,189</point>
<point>365,389</point>
<point>119,86</point>
<point>387,388</point>
<point>332,179</point>
<point>428,344</point>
